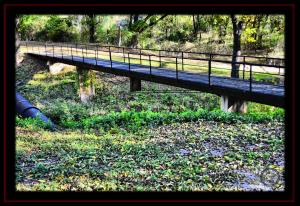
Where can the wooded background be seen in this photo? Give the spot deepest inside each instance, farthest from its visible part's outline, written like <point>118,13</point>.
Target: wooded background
<point>230,34</point>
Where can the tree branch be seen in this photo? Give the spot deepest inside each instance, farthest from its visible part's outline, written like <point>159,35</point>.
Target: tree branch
<point>151,24</point>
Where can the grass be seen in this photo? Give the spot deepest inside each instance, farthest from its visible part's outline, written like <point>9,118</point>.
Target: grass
<point>122,141</point>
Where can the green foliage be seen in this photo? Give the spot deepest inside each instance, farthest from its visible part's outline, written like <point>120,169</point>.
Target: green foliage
<point>263,32</point>
<point>57,28</point>
<point>30,25</point>
<point>64,111</point>
<point>205,33</point>
<point>32,123</point>
<point>248,33</point>
<point>133,120</point>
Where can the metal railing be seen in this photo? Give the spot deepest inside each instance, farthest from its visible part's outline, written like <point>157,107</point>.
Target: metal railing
<point>96,52</point>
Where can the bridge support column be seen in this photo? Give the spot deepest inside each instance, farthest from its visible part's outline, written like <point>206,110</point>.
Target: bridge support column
<point>135,84</point>
<point>55,68</point>
<point>230,104</point>
<point>86,79</point>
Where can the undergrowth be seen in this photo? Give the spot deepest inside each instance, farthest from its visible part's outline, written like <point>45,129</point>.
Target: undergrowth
<point>133,121</point>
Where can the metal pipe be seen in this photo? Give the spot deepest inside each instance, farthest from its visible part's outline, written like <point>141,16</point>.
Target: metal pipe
<point>25,109</point>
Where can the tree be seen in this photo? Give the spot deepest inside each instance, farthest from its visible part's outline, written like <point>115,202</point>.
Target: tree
<point>89,24</point>
<point>58,28</point>
<point>196,25</point>
<point>222,23</point>
<point>138,24</point>
<point>237,31</point>
<point>30,25</point>
<point>17,35</point>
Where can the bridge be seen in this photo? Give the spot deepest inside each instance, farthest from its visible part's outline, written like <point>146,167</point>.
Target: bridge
<point>261,79</point>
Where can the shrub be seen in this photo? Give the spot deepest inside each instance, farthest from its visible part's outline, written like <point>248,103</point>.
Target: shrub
<point>132,120</point>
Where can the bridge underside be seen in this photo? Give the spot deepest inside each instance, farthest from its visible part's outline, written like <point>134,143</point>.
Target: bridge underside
<point>223,86</point>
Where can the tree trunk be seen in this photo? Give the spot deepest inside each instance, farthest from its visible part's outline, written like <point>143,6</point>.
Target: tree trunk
<point>130,21</point>
<point>258,34</point>
<point>17,35</point>
<point>166,33</point>
<point>91,25</point>
<point>19,57</point>
<point>119,37</point>
<point>134,40</point>
<point>254,25</point>
<point>135,18</point>
<point>237,31</point>
<point>196,25</point>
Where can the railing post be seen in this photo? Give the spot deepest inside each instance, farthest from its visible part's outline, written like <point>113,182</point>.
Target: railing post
<point>176,69</point>
<point>62,55</point>
<point>250,78</point>
<point>150,64</point>
<point>82,53</point>
<point>123,54</point>
<point>140,56</point>
<point>76,48</point>
<point>159,58</point>
<point>52,50</point>
<point>96,55</point>
<point>182,60</point>
<point>26,46</point>
<point>209,71</point>
<point>86,51</point>
<point>244,69</point>
<point>110,57</point>
<point>97,51</point>
<point>279,69</point>
<point>46,48</point>
<point>72,53</point>
<point>128,61</point>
